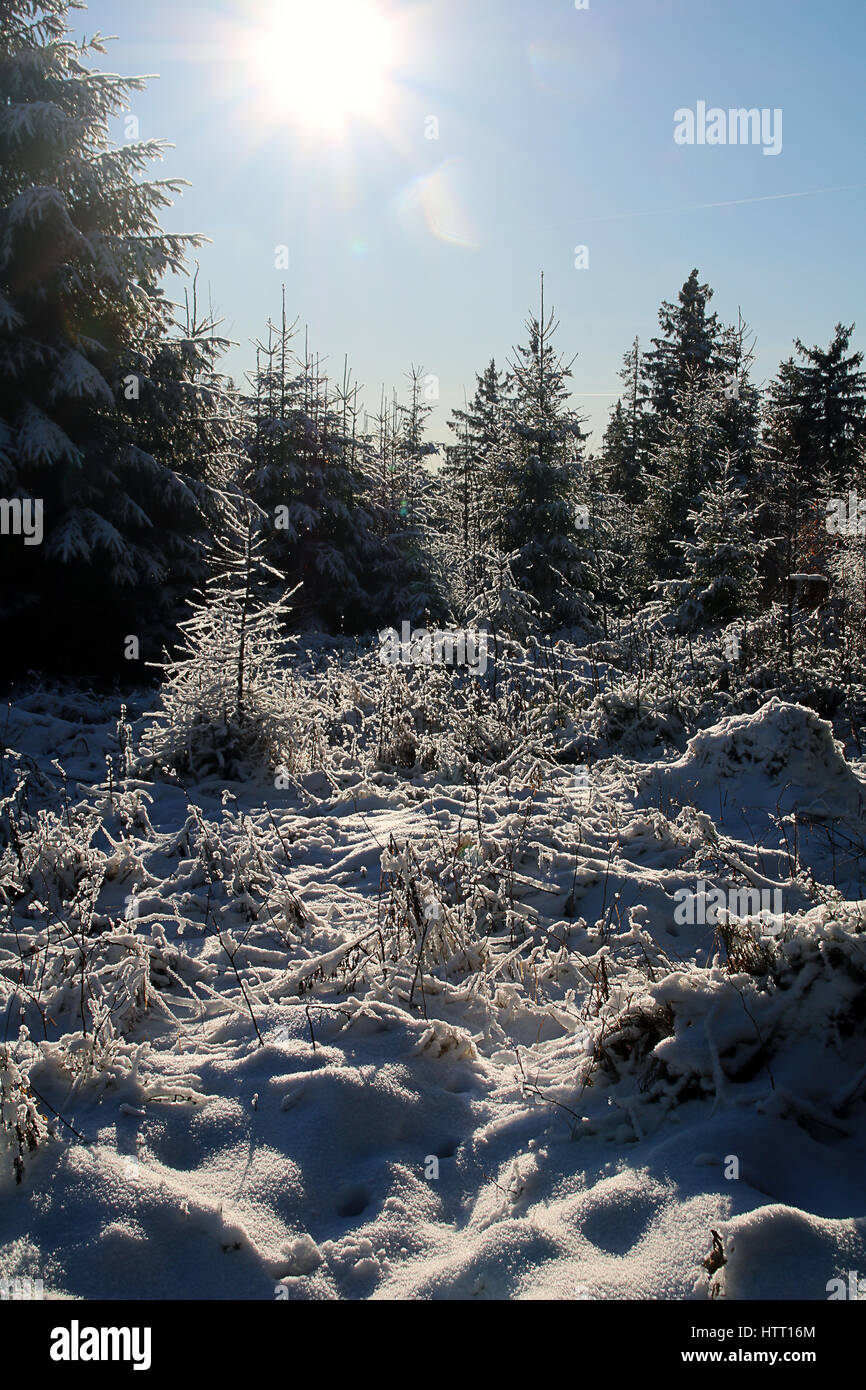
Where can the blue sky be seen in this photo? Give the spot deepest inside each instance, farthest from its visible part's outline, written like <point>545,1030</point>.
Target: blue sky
<point>555,129</point>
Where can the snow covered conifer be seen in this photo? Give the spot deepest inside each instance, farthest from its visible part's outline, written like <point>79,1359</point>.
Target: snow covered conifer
<point>722,579</point>
<point>223,698</point>
<point>81,257</point>
<point>541,479</point>
<point>609,532</point>
<point>818,405</point>
<point>407,579</point>
<point>471,475</point>
<point>500,605</point>
<point>740,416</point>
<point>312,473</point>
<point>691,347</point>
<point>625,444</point>
<point>682,467</point>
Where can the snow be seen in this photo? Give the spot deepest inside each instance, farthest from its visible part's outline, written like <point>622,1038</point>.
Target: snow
<point>272,1099</point>
<point>787,744</point>
<point>76,377</point>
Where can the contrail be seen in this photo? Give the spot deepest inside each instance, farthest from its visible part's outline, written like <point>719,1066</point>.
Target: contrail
<point>731,203</point>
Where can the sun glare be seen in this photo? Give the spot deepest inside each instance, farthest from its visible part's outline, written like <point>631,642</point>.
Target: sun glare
<point>323,63</point>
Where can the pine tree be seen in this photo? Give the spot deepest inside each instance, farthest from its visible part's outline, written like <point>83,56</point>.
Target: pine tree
<point>683,467</point>
<point>541,475</point>
<point>609,527</point>
<point>309,471</point>
<point>721,560</point>
<point>823,400</point>
<point>741,410</point>
<point>186,416</point>
<point>787,500</point>
<point>691,347</point>
<point>814,428</point>
<point>81,257</point>
<point>470,480</point>
<point>224,703</point>
<point>409,578</point>
<point>500,604</point>
<point>412,451</point>
<point>625,447</point>
<point>846,565</point>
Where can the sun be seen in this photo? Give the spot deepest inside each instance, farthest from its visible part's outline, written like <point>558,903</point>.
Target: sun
<point>322,63</point>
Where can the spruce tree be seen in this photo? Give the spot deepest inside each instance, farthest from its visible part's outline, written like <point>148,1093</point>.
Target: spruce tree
<point>846,562</point>
<point>186,416</point>
<point>401,577</point>
<point>721,559</point>
<point>787,499</point>
<point>541,476</point>
<point>626,444</point>
<point>609,537</point>
<point>691,347</point>
<point>683,467</point>
<point>471,495</point>
<point>224,703</point>
<point>308,469</point>
<point>741,408</point>
<point>823,399</point>
<point>409,575</point>
<point>690,335</point>
<point>81,315</point>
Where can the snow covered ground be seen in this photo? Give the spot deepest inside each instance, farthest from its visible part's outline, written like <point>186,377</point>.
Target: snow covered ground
<point>369,1031</point>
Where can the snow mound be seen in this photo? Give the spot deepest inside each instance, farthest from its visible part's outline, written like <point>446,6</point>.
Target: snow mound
<point>787,744</point>
<point>767,1034</point>
<point>813,1258</point>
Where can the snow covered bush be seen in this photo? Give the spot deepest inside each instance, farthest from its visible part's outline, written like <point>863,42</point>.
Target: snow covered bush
<point>729,1030</point>
<point>78,972</point>
<point>398,739</point>
<point>426,922</point>
<point>414,916</point>
<point>51,858</point>
<point>22,1127</point>
<point>635,718</point>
